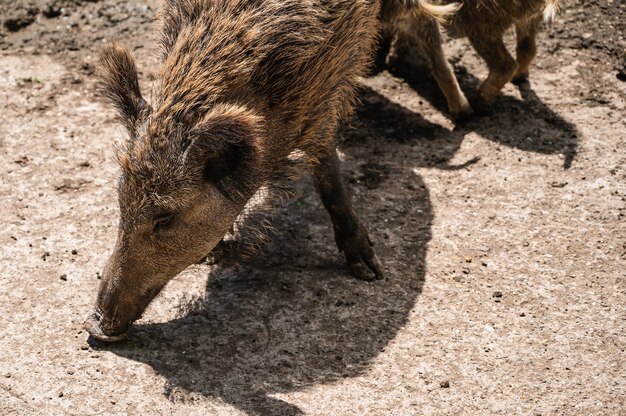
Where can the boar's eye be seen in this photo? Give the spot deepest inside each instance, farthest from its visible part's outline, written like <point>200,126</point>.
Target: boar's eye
<point>163,222</point>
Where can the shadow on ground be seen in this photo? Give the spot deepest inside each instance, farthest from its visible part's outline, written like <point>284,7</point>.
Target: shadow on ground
<point>528,124</point>
<point>294,317</point>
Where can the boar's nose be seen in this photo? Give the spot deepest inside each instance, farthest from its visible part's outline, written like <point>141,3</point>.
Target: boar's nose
<point>98,328</point>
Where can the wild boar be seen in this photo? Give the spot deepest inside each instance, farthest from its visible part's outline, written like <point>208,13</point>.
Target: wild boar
<point>484,22</point>
<point>243,85</point>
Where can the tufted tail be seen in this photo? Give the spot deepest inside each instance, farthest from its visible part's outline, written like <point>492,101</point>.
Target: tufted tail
<point>550,11</point>
<point>439,12</point>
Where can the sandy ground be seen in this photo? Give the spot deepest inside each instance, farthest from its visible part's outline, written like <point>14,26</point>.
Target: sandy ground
<point>504,242</point>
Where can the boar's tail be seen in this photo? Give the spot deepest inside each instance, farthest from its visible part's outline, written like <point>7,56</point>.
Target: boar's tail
<point>439,12</point>
<point>549,12</point>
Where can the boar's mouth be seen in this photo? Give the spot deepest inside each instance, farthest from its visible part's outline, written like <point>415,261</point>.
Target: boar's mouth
<point>100,329</point>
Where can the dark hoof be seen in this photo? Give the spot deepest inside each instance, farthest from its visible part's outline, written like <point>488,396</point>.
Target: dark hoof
<point>462,117</point>
<point>481,106</point>
<point>521,79</point>
<point>362,260</point>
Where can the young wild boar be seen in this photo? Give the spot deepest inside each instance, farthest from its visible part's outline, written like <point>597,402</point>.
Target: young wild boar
<point>484,23</point>
<point>243,85</point>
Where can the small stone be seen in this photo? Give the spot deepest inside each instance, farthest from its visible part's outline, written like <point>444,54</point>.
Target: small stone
<point>74,252</point>
<point>445,384</point>
<point>458,278</point>
<point>70,372</point>
<point>497,294</point>
<point>522,314</point>
<point>60,394</point>
<point>7,375</point>
<point>52,10</point>
<point>63,277</point>
<point>22,19</point>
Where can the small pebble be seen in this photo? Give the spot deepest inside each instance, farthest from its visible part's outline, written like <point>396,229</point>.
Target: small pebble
<point>74,251</point>
<point>445,384</point>
<point>63,277</point>
<point>60,394</point>
<point>70,372</point>
<point>497,294</point>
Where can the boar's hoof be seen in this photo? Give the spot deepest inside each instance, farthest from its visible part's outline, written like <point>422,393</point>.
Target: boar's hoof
<point>362,260</point>
<point>521,78</point>
<point>460,110</point>
<point>461,116</point>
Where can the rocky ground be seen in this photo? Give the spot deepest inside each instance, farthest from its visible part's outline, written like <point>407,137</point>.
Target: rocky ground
<point>504,242</point>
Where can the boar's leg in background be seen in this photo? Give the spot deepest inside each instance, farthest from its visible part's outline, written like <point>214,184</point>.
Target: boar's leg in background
<point>526,32</point>
<point>351,237</point>
<point>424,32</point>
<point>502,67</point>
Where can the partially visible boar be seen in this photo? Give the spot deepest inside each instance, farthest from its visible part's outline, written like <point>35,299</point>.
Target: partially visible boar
<point>484,23</point>
<point>243,85</point>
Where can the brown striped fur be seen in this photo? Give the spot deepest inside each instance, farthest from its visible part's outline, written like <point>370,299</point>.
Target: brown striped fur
<point>484,23</point>
<point>243,85</point>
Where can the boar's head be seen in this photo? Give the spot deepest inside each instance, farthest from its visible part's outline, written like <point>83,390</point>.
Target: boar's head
<point>186,175</point>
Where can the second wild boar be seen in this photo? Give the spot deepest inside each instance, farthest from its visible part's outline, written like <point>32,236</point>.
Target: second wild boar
<point>484,23</point>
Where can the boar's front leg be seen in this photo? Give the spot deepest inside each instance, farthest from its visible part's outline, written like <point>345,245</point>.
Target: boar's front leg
<point>502,66</point>
<point>351,237</point>
<point>526,46</point>
<point>425,33</point>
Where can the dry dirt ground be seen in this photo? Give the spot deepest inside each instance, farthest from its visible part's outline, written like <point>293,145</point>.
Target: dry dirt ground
<point>503,240</point>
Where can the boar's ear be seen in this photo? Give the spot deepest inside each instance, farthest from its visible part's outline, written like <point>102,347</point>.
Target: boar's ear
<point>226,148</point>
<point>118,75</point>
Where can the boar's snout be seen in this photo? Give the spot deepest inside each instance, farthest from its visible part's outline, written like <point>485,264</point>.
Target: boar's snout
<point>104,329</point>
<point>122,298</point>
<point>117,304</point>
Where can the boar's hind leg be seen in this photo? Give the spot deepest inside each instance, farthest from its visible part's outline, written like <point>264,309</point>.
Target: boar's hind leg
<point>351,237</point>
<point>526,46</point>
<point>427,37</point>
<point>502,66</point>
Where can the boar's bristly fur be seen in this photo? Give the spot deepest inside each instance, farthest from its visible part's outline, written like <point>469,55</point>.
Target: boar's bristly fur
<point>244,85</point>
<point>484,22</point>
